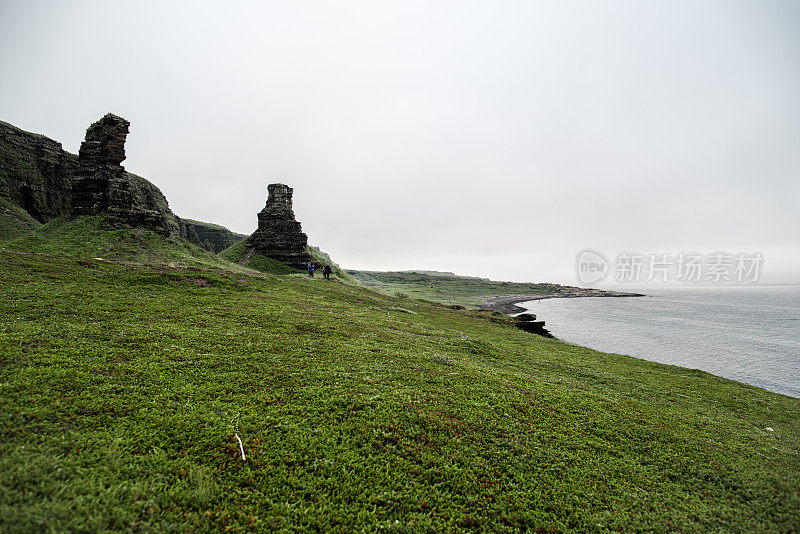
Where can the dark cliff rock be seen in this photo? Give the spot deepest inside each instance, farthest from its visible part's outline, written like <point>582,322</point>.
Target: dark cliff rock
<point>210,236</point>
<point>99,159</point>
<point>101,184</point>
<point>279,236</point>
<point>39,176</point>
<point>528,323</point>
<point>41,180</point>
<point>35,173</point>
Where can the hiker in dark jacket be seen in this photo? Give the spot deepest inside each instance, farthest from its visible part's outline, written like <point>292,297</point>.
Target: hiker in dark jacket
<point>326,272</point>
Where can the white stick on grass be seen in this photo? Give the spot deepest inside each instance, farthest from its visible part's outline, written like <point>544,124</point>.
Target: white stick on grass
<point>241,447</point>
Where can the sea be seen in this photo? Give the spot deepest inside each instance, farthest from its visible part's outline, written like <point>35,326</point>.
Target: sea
<point>750,334</point>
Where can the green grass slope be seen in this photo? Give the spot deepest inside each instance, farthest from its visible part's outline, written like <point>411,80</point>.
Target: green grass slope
<point>446,288</point>
<point>124,391</point>
<point>261,263</point>
<point>85,236</point>
<point>15,222</point>
<point>321,258</point>
<point>255,261</point>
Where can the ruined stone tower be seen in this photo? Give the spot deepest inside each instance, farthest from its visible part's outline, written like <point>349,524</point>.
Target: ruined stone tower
<point>279,235</point>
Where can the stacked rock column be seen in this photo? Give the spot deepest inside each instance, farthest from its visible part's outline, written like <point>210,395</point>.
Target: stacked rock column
<point>99,160</point>
<point>279,236</point>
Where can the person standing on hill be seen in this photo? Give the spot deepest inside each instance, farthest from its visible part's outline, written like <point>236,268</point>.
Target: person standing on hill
<point>326,272</point>
<point>311,269</point>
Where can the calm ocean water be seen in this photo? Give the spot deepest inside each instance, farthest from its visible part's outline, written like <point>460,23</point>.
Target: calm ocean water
<point>749,334</point>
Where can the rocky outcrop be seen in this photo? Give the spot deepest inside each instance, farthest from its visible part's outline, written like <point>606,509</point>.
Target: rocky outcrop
<point>528,323</point>
<point>99,159</point>
<point>101,184</point>
<point>35,173</point>
<point>210,236</point>
<point>40,178</point>
<point>279,236</point>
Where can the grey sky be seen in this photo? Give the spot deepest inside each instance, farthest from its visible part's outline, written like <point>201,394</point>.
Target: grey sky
<point>485,138</point>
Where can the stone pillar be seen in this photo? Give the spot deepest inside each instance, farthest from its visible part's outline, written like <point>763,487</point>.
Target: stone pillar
<point>99,160</point>
<point>279,236</point>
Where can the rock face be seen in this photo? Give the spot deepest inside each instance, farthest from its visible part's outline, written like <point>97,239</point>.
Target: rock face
<point>528,323</point>
<point>101,184</point>
<point>99,165</point>
<point>279,235</point>
<point>35,173</point>
<point>39,177</point>
<point>210,236</point>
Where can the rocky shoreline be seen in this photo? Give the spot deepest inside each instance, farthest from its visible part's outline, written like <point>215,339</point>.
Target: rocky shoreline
<point>507,303</point>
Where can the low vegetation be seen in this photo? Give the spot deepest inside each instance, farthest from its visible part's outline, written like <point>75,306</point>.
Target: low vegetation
<point>125,389</point>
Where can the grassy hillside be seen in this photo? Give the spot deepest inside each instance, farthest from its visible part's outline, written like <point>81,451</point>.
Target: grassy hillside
<point>86,237</point>
<point>321,258</point>
<point>15,222</point>
<point>123,390</point>
<point>211,226</point>
<point>267,265</point>
<point>212,237</point>
<point>255,261</point>
<point>446,288</point>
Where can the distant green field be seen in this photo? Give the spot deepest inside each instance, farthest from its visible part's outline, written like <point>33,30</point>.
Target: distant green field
<point>446,288</point>
<point>124,391</point>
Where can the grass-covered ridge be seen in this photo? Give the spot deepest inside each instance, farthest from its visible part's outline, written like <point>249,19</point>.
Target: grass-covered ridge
<point>87,237</point>
<point>123,388</point>
<point>211,226</point>
<point>447,288</point>
<point>321,258</point>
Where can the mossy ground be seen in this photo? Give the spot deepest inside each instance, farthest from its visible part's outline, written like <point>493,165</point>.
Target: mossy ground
<point>123,388</point>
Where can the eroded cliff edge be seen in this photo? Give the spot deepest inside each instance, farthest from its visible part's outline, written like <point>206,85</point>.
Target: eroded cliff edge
<point>46,182</point>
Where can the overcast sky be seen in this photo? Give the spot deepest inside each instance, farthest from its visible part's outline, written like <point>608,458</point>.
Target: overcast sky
<point>487,138</point>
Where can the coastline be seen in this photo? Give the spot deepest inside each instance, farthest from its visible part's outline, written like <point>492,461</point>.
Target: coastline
<point>508,303</point>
